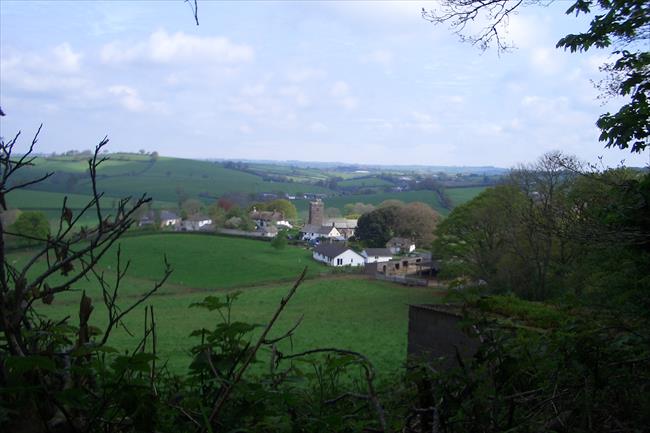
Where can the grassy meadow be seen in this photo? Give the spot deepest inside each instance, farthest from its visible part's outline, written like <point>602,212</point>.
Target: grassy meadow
<point>459,196</point>
<point>340,310</point>
<point>428,197</point>
<point>163,178</point>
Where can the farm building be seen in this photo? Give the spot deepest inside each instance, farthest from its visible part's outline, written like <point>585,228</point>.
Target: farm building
<point>269,218</point>
<point>195,223</point>
<point>372,255</point>
<point>268,231</point>
<point>337,254</point>
<point>165,218</point>
<point>400,245</point>
<point>312,232</point>
<point>318,224</point>
<point>415,265</point>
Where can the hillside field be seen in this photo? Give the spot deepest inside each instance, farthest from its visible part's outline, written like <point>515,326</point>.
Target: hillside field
<point>163,179</point>
<point>459,196</point>
<point>340,310</point>
<point>428,197</point>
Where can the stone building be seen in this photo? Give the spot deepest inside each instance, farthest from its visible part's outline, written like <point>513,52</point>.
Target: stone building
<point>316,213</point>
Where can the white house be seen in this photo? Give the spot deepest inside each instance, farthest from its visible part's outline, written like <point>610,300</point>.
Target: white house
<point>400,245</point>
<point>337,254</point>
<point>313,231</point>
<point>194,223</point>
<point>345,226</point>
<point>168,219</point>
<point>373,255</point>
<point>269,231</point>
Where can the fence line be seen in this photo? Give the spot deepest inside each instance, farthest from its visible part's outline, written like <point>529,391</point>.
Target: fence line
<point>409,281</point>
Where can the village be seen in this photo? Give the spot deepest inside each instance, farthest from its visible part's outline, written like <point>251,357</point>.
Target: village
<point>331,240</point>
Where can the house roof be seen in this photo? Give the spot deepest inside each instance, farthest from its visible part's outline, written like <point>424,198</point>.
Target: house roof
<point>167,215</point>
<point>341,223</point>
<point>315,228</point>
<point>379,252</point>
<point>331,250</point>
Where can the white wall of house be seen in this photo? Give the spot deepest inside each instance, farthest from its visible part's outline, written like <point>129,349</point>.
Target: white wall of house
<point>346,258</point>
<point>375,259</point>
<point>320,258</point>
<point>169,222</point>
<point>194,225</point>
<point>397,250</point>
<point>332,234</point>
<point>284,224</point>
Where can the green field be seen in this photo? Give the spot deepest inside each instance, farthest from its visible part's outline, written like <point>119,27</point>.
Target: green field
<point>459,196</point>
<point>428,197</point>
<point>200,262</point>
<point>163,179</point>
<point>345,311</point>
<point>31,199</point>
<point>362,315</point>
<point>50,204</point>
<point>365,182</point>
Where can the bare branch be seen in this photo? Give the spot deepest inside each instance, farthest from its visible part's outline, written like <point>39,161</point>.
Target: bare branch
<point>194,5</point>
<point>490,16</point>
<point>227,389</point>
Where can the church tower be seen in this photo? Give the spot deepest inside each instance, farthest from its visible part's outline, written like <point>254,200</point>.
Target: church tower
<point>316,212</point>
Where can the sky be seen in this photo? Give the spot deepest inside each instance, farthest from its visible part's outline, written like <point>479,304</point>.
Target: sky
<point>354,82</point>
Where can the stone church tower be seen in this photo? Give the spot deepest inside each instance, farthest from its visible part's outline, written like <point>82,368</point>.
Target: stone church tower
<point>316,213</point>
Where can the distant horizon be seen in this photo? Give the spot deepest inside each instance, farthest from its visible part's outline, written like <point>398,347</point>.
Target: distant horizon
<point>316,164</point>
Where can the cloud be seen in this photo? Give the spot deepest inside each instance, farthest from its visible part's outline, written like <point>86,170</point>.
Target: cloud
<point>66,60</point>
<point>300,75</point>
<point>318,127</point>
<point>547,61</point>
<point>296,94</point>
<point>128,97</point>
<point>340,91</point>
<point>380,56</point>
<point>162,47</point>
<point>57,69</point>
<point>424,122</point>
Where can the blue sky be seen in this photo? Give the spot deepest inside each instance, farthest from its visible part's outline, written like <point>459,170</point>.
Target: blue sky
<point>359,82</point>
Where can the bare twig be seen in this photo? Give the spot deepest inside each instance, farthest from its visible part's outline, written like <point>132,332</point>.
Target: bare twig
<point>194,5</point>
<point>227,389</point>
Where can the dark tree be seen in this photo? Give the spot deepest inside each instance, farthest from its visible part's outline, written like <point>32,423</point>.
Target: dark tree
<point>377,227</point>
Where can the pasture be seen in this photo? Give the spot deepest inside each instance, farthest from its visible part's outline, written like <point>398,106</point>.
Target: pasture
<point>340,310</point>
<point>459,196</point>
<point>164,179</point>
<point>428,197</point>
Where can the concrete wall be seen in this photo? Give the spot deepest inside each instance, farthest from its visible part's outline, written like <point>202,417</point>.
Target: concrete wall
<point>435,333</point>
